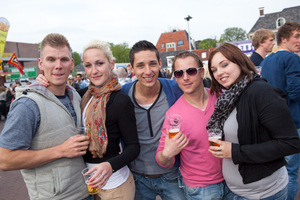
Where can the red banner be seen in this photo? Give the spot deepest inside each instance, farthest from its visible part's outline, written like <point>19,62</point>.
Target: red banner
<point>14,61</point>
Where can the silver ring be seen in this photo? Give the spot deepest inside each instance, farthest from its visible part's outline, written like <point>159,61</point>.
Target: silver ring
<point>104,178</point>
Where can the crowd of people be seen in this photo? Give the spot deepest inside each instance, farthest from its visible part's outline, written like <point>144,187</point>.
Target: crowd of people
<point>127,146</point>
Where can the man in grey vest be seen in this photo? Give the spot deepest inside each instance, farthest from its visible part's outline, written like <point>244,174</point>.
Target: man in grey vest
<point>39,136</point>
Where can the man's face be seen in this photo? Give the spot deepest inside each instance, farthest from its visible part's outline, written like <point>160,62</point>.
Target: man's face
<point>188,83</point>
<point>293,43</point>
<point>146,68</point>
<point>268,44</point>
<point>56,64</point>
<point>78,78</point>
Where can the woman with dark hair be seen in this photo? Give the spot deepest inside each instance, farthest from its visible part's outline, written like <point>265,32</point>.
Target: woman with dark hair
<point>257,126</point>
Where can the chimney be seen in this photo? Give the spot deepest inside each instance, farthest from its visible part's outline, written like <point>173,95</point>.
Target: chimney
<point>261,12</point>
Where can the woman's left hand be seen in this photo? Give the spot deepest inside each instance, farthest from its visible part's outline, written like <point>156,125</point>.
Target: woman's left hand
<point>103,171</point>
<point>223,151</point>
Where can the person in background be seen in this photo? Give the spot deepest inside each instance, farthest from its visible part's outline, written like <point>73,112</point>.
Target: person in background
<point>80,82</point>
<point>152,97</point>
<point>39,136</point>
<point>257,124</point>
<point>282,70</point>
<point>72,82</point>
<point>201,172</point>
<point>9,99</point>
<point>122,76</point>
<point>2,102</point>
<point>263,42</point>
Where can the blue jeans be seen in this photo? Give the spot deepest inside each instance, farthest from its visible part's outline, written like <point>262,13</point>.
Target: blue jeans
<point>165,186</point>
<point>281,195</point>
<point>293,162</point>
<point>218,191</point>
<point>90,197</point>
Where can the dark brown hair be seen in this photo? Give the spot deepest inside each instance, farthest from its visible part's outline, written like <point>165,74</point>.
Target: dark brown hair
<point>235,55</point>
<point>286,31</point>
<point>185,54</point>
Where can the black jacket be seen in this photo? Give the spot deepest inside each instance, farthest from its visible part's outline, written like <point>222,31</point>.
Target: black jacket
<point>266,131</point>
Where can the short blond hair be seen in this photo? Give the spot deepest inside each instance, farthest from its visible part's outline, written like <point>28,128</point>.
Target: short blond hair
<point>55,40</point>
<point>104,46</point>
<point>260,36</point>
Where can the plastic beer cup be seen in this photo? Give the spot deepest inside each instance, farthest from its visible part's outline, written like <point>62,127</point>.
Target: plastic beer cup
<point>215,134</point>
<point>174,124</point>
<point>87,181</point>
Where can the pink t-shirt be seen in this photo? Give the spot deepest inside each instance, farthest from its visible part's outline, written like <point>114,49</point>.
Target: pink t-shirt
<point>198,167</point>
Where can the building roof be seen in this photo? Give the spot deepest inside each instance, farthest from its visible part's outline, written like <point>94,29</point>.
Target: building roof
<point>173,37</point>
<point>268,21</point>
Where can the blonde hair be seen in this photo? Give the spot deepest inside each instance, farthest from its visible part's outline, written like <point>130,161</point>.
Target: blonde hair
<point>104,46</point>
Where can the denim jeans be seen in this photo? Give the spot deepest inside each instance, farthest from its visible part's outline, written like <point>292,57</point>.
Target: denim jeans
<point>218,191</point>
<point>281,195</point>
<point>165,186</point>
<point>293,162</point>
<point>90,197</point>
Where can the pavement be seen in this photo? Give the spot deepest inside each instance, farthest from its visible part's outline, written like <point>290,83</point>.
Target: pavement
<point>12,186</point>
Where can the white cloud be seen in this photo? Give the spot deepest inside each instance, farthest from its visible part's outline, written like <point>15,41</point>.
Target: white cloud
<point>119,21</point>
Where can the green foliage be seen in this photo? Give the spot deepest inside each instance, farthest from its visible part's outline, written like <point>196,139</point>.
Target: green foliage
<point>77,59</point>
<point>207,43</point>
<point>233,34</point>
<point>120,52</point>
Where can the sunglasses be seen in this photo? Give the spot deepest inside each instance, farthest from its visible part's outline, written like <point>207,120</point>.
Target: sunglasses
<point>192,71</point>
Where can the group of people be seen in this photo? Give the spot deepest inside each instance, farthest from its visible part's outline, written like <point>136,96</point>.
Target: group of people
<point>259,126</point>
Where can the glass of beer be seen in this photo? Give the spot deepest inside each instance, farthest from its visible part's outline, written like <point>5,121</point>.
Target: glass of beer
<point>80,130</point>
<point>87,178</point>
<point>214,134</point>
<point>174,124</point>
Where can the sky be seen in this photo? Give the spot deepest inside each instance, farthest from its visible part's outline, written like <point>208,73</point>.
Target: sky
<point>119,21</point>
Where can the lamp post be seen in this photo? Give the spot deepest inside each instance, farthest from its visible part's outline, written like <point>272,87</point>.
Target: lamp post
<point>189,38</point>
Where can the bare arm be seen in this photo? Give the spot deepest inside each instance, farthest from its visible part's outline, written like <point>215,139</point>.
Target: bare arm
<point>25,159</point>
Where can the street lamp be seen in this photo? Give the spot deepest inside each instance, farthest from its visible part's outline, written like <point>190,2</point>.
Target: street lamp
<point>189,38</point>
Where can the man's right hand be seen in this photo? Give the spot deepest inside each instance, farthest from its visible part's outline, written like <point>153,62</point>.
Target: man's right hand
<point>74,146</point>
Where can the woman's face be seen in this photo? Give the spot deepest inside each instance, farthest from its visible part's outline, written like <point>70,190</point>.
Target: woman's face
<point>225,72</point>
<point>97,66</point>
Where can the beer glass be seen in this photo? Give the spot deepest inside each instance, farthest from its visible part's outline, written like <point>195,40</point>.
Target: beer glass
<point>174,124</point>
<point>87,181</point>
<point>215,134</point>
<point>80,130</point>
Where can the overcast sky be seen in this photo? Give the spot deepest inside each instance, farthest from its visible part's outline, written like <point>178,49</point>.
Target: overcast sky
<point>129,21</point>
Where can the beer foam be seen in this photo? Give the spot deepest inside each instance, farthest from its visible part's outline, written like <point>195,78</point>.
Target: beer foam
<point>174,130</point>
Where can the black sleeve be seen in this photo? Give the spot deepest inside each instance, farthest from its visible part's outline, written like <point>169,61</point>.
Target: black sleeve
<point>82,91</point>
<point>279,135</point>
<point>124,108</point>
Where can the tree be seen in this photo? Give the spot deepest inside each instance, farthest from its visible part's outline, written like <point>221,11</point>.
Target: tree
<point>120,52</point>
<point>233,34</point>
<point>207,43</point>
<point>76,57</point>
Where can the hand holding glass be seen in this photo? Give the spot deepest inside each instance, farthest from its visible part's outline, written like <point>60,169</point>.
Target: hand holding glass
<point>174,124</point>
<point>80,130</point>
<point>87,178</point>
<point>214,134</point>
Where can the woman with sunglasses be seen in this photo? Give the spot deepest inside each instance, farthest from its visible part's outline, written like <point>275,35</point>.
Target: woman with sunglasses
<point>258,128</point>
<point>201,172</point>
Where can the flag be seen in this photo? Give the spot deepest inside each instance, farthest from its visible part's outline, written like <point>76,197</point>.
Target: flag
<point>14,61</point>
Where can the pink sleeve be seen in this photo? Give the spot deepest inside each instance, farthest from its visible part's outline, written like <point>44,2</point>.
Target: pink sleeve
<point>162,141</point>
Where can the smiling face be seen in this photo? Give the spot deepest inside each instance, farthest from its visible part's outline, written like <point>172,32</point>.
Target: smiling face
<point>224,71</point>
<point>188,83</point>
<point>146,68</point>
<point>96,65</point>
<point>56,63</point>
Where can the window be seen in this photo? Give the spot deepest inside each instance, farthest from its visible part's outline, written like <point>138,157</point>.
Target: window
<point>280,21</point>
<point>180,43</point>
<point>162,45</point>
<point>170,61</point>
<point>203,55</point>
<point>171,45</point>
